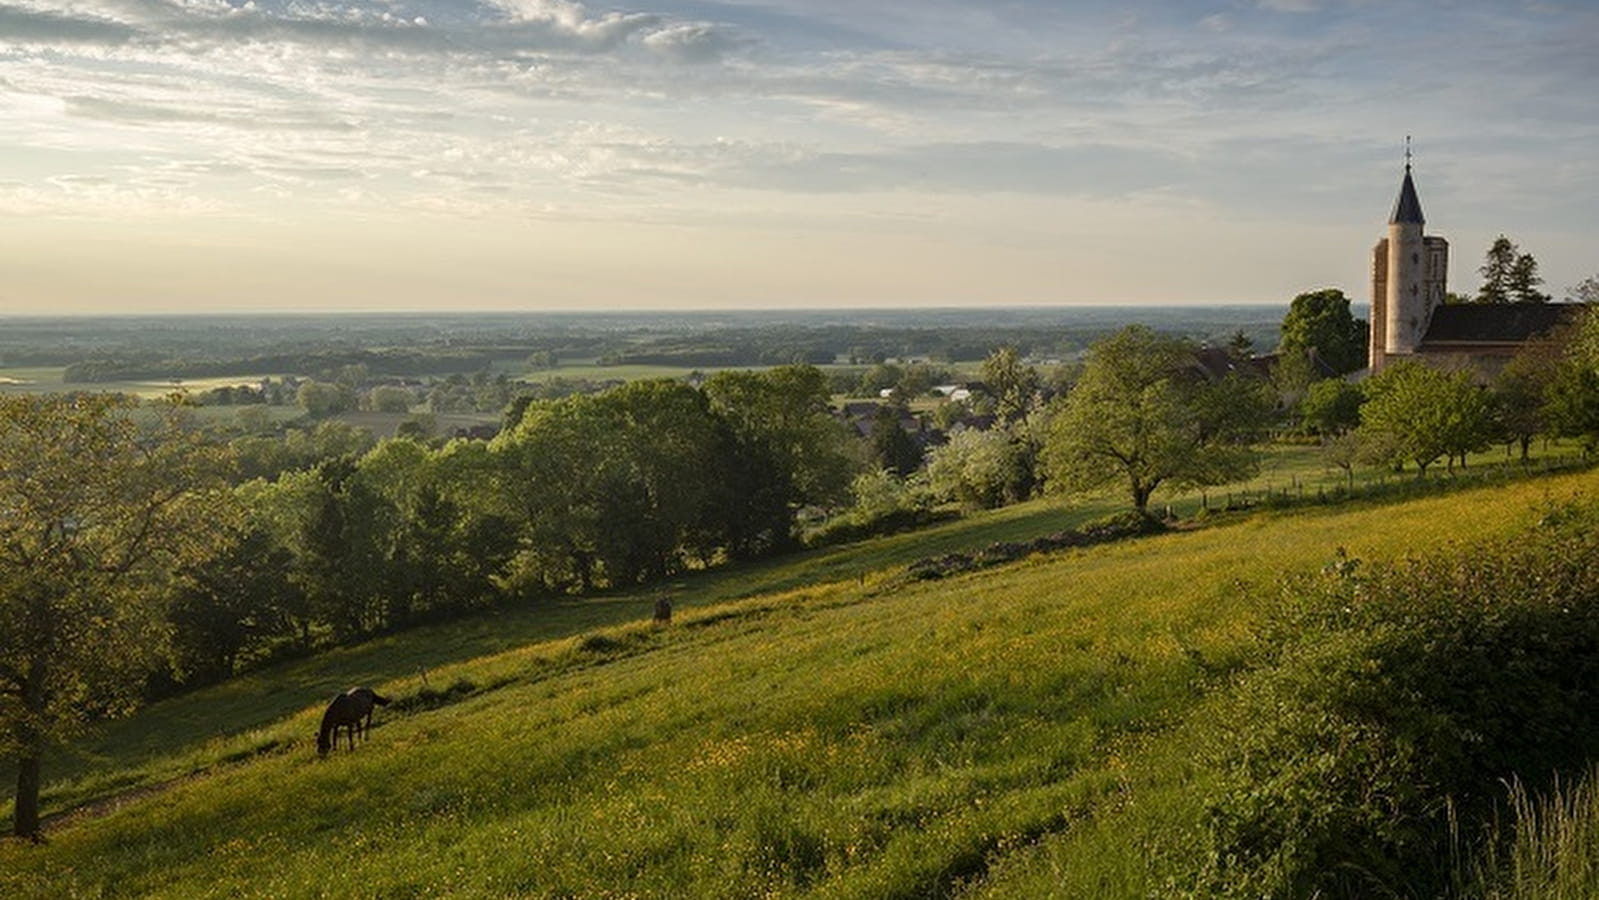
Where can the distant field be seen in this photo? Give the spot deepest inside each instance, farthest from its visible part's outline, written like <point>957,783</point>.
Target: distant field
<point>30,379</point>
<point>45,379</point>
<point>816,726</point>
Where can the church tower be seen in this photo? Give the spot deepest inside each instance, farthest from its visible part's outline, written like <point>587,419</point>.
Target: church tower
<point>1409,274</point>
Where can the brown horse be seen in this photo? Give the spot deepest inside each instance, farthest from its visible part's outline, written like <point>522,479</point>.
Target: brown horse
<point>352,711</point>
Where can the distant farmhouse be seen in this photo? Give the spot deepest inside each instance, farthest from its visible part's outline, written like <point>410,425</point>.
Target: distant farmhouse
<point>1409,319</point>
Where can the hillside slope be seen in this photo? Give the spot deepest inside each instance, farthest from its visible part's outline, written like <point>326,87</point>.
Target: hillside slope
<point>871,737</point>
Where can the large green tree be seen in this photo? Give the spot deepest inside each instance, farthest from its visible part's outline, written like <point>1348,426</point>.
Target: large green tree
<point>1144,414</point>
<point>96,511</point>
<point>1521,390</point>
<point>1321,321</point>
<point>618,487</point>
<point>789,451</point>
<point>1330,407</point>
<point>232,604</point>
<point>1571,397</point>
<point>335,528</point>
<point>1422,414</point>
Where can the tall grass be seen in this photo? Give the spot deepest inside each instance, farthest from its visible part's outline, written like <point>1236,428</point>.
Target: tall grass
<point>1554,851</point>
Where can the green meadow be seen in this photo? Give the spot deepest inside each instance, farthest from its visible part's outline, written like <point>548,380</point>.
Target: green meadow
<point>818,726</point>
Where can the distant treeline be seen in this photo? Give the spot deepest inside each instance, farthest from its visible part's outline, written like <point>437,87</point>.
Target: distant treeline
<point>389,362</point>
<point>852,344</point>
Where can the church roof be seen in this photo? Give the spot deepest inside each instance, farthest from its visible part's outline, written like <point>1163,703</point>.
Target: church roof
<point>1407,209</point>
<point>1495,323</point>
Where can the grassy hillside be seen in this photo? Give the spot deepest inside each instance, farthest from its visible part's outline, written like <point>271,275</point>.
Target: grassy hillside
<point>1003,733</point>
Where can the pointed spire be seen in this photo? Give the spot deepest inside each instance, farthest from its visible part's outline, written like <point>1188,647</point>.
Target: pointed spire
<point>1407,209</point>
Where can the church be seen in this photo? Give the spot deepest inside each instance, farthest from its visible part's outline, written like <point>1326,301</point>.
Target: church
<point>1409,319</point>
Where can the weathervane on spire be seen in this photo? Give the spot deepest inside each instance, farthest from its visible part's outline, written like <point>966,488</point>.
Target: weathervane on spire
<point>1407,153</point>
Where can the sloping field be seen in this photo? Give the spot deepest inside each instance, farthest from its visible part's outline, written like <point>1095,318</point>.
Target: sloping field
<point>985,735</point>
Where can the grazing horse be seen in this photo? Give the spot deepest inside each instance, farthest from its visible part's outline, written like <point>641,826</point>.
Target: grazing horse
<point>352,711</point>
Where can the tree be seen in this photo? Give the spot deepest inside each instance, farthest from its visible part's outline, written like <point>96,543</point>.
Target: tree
<point>440,546</point>
<point>1584,291</point>
<point>880,377</point>
<point>1572,404</point>
<point>98,511</point>
<point>1509,276</point>
<point>1495,271</point>
<point>981,469</point>
<point>1321,321</point>
<point>1422,413</point>
<point>1011,382</point>
<point>892,448</point>
<point>321,398</point>
<point>388,398</point>
<point>1521,390</point>
<point>791,451</point>
<point>1145,415</point>
<point>618,487</point>
<point>1331,407</point>
<point>1240,345</point>
<point>231,604</point>
<point>1524,281</point>
<point>336,523</point>
<point>1571,398</point>
<point>1343,451</point>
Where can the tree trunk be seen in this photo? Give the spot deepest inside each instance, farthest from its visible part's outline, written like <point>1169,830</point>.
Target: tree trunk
<point>1141,497</point>
<point>26,821</point>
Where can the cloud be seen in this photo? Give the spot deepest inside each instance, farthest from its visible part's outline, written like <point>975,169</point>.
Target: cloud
<point>691,42</point>
<point>569,20</point>
<point>35,26</point>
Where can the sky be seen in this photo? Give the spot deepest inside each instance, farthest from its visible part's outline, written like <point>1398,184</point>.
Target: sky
<point>329,155</point>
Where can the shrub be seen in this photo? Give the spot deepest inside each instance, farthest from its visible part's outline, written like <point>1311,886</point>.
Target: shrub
<point>1391,705</point>
<point>884,504</point>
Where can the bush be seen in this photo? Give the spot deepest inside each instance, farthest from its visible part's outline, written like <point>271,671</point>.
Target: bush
<point>884,504</point>
<point>1392,704</point>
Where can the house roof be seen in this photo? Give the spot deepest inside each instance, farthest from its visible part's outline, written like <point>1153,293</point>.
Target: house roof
<point>1495,323</point>
<point>1218,363</point>
<point>1407,209</point>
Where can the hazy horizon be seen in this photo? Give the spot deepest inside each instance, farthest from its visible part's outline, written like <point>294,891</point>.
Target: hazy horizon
<point>211,156</point>
<point>813,310</point>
